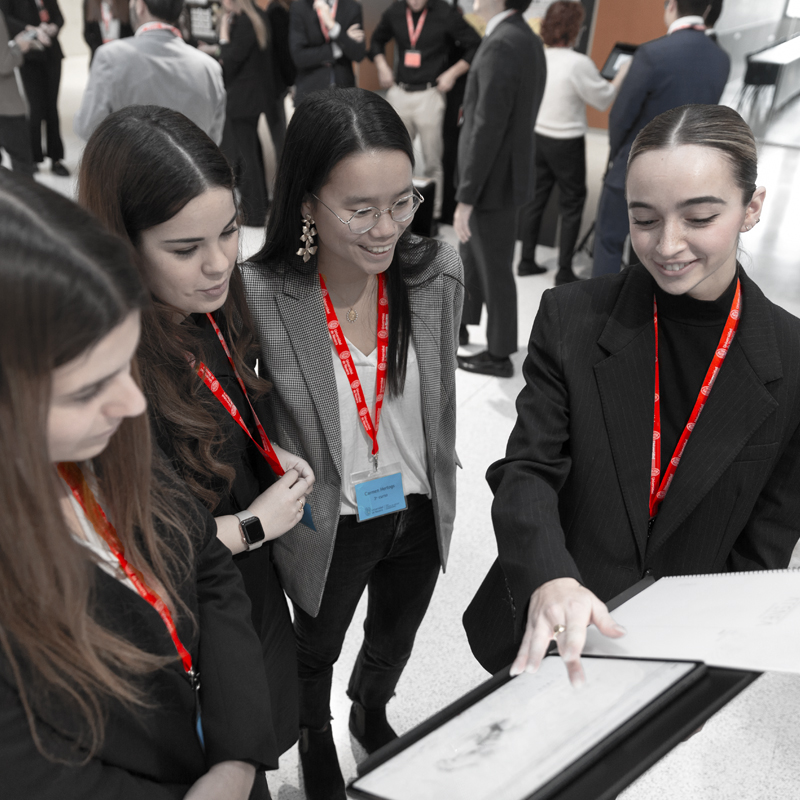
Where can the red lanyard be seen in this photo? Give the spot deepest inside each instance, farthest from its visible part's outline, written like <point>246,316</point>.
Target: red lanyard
<point>322,25</point>
<point>414,33</point>
<point>265,448</point>
<point>76,481</point>
<point>158,26</point>
<point>339,342</point>
<point>658,491</point>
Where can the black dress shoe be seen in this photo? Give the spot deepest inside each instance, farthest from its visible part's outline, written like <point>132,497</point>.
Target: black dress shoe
<point>526,267</point>
<point>322,775</point>
<point>565,276</point>
<point>463,336</point>
<point>370,728</point>
<point>484,363</point>
<point>59,168</point>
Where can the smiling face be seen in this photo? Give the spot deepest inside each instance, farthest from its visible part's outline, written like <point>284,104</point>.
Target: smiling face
<point>188,260</point>
<point>686,213</point>
<point>375,178</point>
<point>92,394</point>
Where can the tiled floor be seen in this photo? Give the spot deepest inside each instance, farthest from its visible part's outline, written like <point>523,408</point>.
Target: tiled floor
<point>751,748</point>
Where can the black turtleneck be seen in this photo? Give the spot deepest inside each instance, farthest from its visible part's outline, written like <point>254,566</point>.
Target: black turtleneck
<point>689,331</point>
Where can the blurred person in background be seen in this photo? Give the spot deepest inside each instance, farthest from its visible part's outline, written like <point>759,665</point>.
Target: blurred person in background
<point>154,67</point>
<point>283,71</point>
<point>424,32</point>
<point>325,39</point>
<point>572,81</point>
<point>104,21</point>
<point>242,51</point>
<point>15,137</point>
<point>41,73</point>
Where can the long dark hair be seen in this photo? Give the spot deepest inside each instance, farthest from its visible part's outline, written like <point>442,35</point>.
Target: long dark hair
<point>140,167</point>
<point>65,284</point>
<point>327,127</point>
<point>718,127</point>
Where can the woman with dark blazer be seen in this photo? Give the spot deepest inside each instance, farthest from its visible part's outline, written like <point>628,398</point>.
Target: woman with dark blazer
<point>242,51</point>
<point>128,666</point>
<point>323,47</point>
<point>360,299</point>
<point>198,352</point>
<point>585,504</point>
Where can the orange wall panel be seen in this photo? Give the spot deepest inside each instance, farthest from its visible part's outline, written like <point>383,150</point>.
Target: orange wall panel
<point>630,21</point>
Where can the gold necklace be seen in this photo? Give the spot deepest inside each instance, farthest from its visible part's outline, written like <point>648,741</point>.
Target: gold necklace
<point>352,315</point>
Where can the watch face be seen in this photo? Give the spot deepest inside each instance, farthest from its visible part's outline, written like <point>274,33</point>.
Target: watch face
<point>252,530</point>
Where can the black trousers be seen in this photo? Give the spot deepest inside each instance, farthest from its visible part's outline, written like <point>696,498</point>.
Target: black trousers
<point>242,147</point>
<point>562,163</point>
<point>396,558</point>
<point>15,139</point>
<point>41,79</point>
<point>489,277</point>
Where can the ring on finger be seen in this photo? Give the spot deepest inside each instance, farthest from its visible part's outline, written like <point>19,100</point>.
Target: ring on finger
<point>558,629</point>
<point>302,501</point>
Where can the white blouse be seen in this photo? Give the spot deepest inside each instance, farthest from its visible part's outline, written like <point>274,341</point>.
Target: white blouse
<point>401,436</point>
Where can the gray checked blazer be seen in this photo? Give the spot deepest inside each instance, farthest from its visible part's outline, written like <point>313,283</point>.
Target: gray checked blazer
<point>296,356</point>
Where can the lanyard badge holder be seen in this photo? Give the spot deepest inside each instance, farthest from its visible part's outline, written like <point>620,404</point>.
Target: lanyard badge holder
<point>413,57</point>
<point>379,490</point>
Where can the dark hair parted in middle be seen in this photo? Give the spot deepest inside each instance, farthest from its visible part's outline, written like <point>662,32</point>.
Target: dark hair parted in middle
<point>562,23</point>
<point>719,127</point>
<point>140,168</point>
<point>326,128</point>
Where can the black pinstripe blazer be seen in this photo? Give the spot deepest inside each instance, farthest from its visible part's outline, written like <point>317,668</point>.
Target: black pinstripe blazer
<point>286,305</point>
<point>571,495</point>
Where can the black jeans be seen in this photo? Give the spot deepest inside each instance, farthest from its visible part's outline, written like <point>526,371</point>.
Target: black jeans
<point>562,162</point>
<point>396,558</point>
<point>15,139</point>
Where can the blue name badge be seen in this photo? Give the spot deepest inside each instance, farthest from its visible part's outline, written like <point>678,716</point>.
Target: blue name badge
<point>379,492</point>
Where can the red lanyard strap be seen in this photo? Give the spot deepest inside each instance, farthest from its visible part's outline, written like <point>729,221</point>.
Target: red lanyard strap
<point>658,490</point>
<point>340,343</point>
<point>324,30</point>
<point>414,33</point>
<point>76,481</point>
<point>158,26</point>
<point>265,448</point>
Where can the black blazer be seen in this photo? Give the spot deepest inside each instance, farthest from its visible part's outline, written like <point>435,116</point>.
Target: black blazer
<point>246,69</point>
<point>571,495</point>
<point>19,13</point>
<point>154,754</point>
<point>313,56</point>
<point>684,67</point>
<point>505,85</point>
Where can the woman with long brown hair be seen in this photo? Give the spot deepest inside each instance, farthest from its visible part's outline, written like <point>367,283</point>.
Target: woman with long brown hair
<point>127,665</point>
<point>198,352</point>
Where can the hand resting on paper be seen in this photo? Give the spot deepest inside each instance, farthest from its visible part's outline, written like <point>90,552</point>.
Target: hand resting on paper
<point>562,601</point>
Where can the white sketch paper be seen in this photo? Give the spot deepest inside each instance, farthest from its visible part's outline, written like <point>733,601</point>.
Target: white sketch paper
<point>523,734</point>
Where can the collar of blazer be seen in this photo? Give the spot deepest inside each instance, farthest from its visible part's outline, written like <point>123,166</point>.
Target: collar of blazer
<point>737,406</point>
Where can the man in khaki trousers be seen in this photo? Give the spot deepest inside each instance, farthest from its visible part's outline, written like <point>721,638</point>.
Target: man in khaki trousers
<point>425,33</point>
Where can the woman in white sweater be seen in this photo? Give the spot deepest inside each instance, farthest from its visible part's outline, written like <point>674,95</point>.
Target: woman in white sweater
<point>572,81</point>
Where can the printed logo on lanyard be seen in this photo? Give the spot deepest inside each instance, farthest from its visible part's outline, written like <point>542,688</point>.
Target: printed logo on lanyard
<point>413,57</point>
<point>81,491</point>
<point>378,491</point>
<point>659,489</point>
<point>158,26</point>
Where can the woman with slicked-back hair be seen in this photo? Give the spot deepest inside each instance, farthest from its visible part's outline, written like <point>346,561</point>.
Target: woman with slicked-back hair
<point>128,665</point>
<point>357,320</point>
<point>658,432</point>
<point>198,351</point>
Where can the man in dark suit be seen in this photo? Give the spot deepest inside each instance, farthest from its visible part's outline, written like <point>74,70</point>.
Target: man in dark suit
<point>683,67</point>
<point>41,73</point>
<point>496,173</point>
<point>324,46</point>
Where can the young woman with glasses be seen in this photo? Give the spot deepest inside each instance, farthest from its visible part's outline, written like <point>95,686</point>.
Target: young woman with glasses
<point>350,309</point>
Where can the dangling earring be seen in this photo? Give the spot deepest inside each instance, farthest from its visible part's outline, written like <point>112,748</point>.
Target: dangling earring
<point>307,237</point>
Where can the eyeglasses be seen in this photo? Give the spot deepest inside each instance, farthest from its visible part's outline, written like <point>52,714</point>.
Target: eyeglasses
<point>365,219</point>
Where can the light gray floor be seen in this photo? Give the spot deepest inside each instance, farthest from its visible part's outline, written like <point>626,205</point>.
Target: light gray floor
<point>751,749</point>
